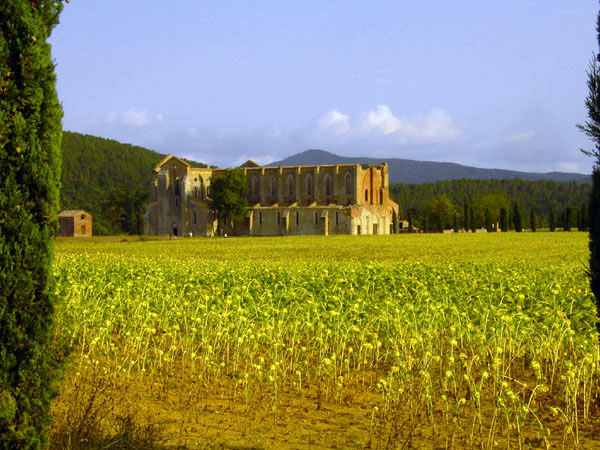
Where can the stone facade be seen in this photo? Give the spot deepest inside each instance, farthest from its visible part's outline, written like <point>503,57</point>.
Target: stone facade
<point>76,223</point>
<point>298,200</point>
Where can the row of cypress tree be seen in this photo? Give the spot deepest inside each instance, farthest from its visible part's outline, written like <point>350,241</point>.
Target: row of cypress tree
<point>509,219</point>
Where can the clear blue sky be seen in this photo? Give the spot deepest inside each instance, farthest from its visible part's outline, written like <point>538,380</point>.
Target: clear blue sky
<point>487,83</point>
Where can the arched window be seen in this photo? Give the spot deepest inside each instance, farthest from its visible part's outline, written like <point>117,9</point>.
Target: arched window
<point>254,187</point>
<point>273,186</point>
<point>290,185</point>
<point>348,183</point>
<point>202,188</point>
<point>337,218</point>
<point>309,185</point>
<point>328,183</point>
<point>366,195</point>
<point>381,195</point>
<point>177,192</point>
<point>316,218</point>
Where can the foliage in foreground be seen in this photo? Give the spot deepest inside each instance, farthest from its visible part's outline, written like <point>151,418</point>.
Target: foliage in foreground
<point>501,349</point>
<point>592,129</point>
<point>30,134</point>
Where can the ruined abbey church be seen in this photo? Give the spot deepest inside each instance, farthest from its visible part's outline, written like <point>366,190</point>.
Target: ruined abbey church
<point>297,200</point>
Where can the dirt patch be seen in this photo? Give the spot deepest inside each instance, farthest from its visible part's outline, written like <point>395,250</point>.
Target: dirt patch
<point>191,415</point>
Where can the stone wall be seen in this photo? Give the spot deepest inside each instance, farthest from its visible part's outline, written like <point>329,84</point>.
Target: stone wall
<point>300,200</point>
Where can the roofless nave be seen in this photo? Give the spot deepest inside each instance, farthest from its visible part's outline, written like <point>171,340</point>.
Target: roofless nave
<point>284,200</point>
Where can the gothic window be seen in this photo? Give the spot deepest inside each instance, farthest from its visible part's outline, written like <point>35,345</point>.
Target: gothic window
<point>254,187</point>
<point>316,218</point>
<point>273,186</point>
<point>337,218</point>
<point>297,218</point>
<point>366,195</point>
<point>328,183</point>
<point>381,195</point>
<point>202,187</point>
<point>177,192</point>
<point>290,185</point>
<point>260,217</point>
<point>278,218</point>
<point>309,185</point>
<point>348,183</point>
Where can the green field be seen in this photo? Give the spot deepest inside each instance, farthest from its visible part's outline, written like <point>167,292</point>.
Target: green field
<point>429,341</point>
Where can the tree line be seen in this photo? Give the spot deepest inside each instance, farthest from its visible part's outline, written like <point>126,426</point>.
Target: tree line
<point>496,205</point>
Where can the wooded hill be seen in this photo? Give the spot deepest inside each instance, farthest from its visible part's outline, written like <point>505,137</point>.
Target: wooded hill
<point>96,171</point>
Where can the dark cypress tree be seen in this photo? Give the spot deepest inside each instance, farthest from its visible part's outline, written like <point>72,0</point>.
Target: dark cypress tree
<point>410,222</point>
<point>517,217</point>
<point>568,218</point>
<point>472,219</point>
<point>30,161</point>
<point>532,221</point>
<point>488,220</point>
<point>552,219</point>
<point>466,223</point>
<point>583,217</point>
<point>394,222</point>
<point>592,129</point>
<point>455,223</point>
<point>503,220</point>
<point>594,217</point>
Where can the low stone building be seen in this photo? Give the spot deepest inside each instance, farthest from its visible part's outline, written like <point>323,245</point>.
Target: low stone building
<point>76,223</point>
<point>294,200</point>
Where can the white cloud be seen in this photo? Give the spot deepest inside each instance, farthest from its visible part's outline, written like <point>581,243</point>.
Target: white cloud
<point>518,137</point>
<point>134,118</point>
<point>435,127</point>
<point>334,122</point>
<point>380,119</point>
<point>376,133</point>
<point>567,167</point>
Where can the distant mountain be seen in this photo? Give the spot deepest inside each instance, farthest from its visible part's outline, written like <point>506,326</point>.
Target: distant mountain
<point>415,172</point>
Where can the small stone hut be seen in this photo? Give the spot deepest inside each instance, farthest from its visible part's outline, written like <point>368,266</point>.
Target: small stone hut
<point>76,223</point>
